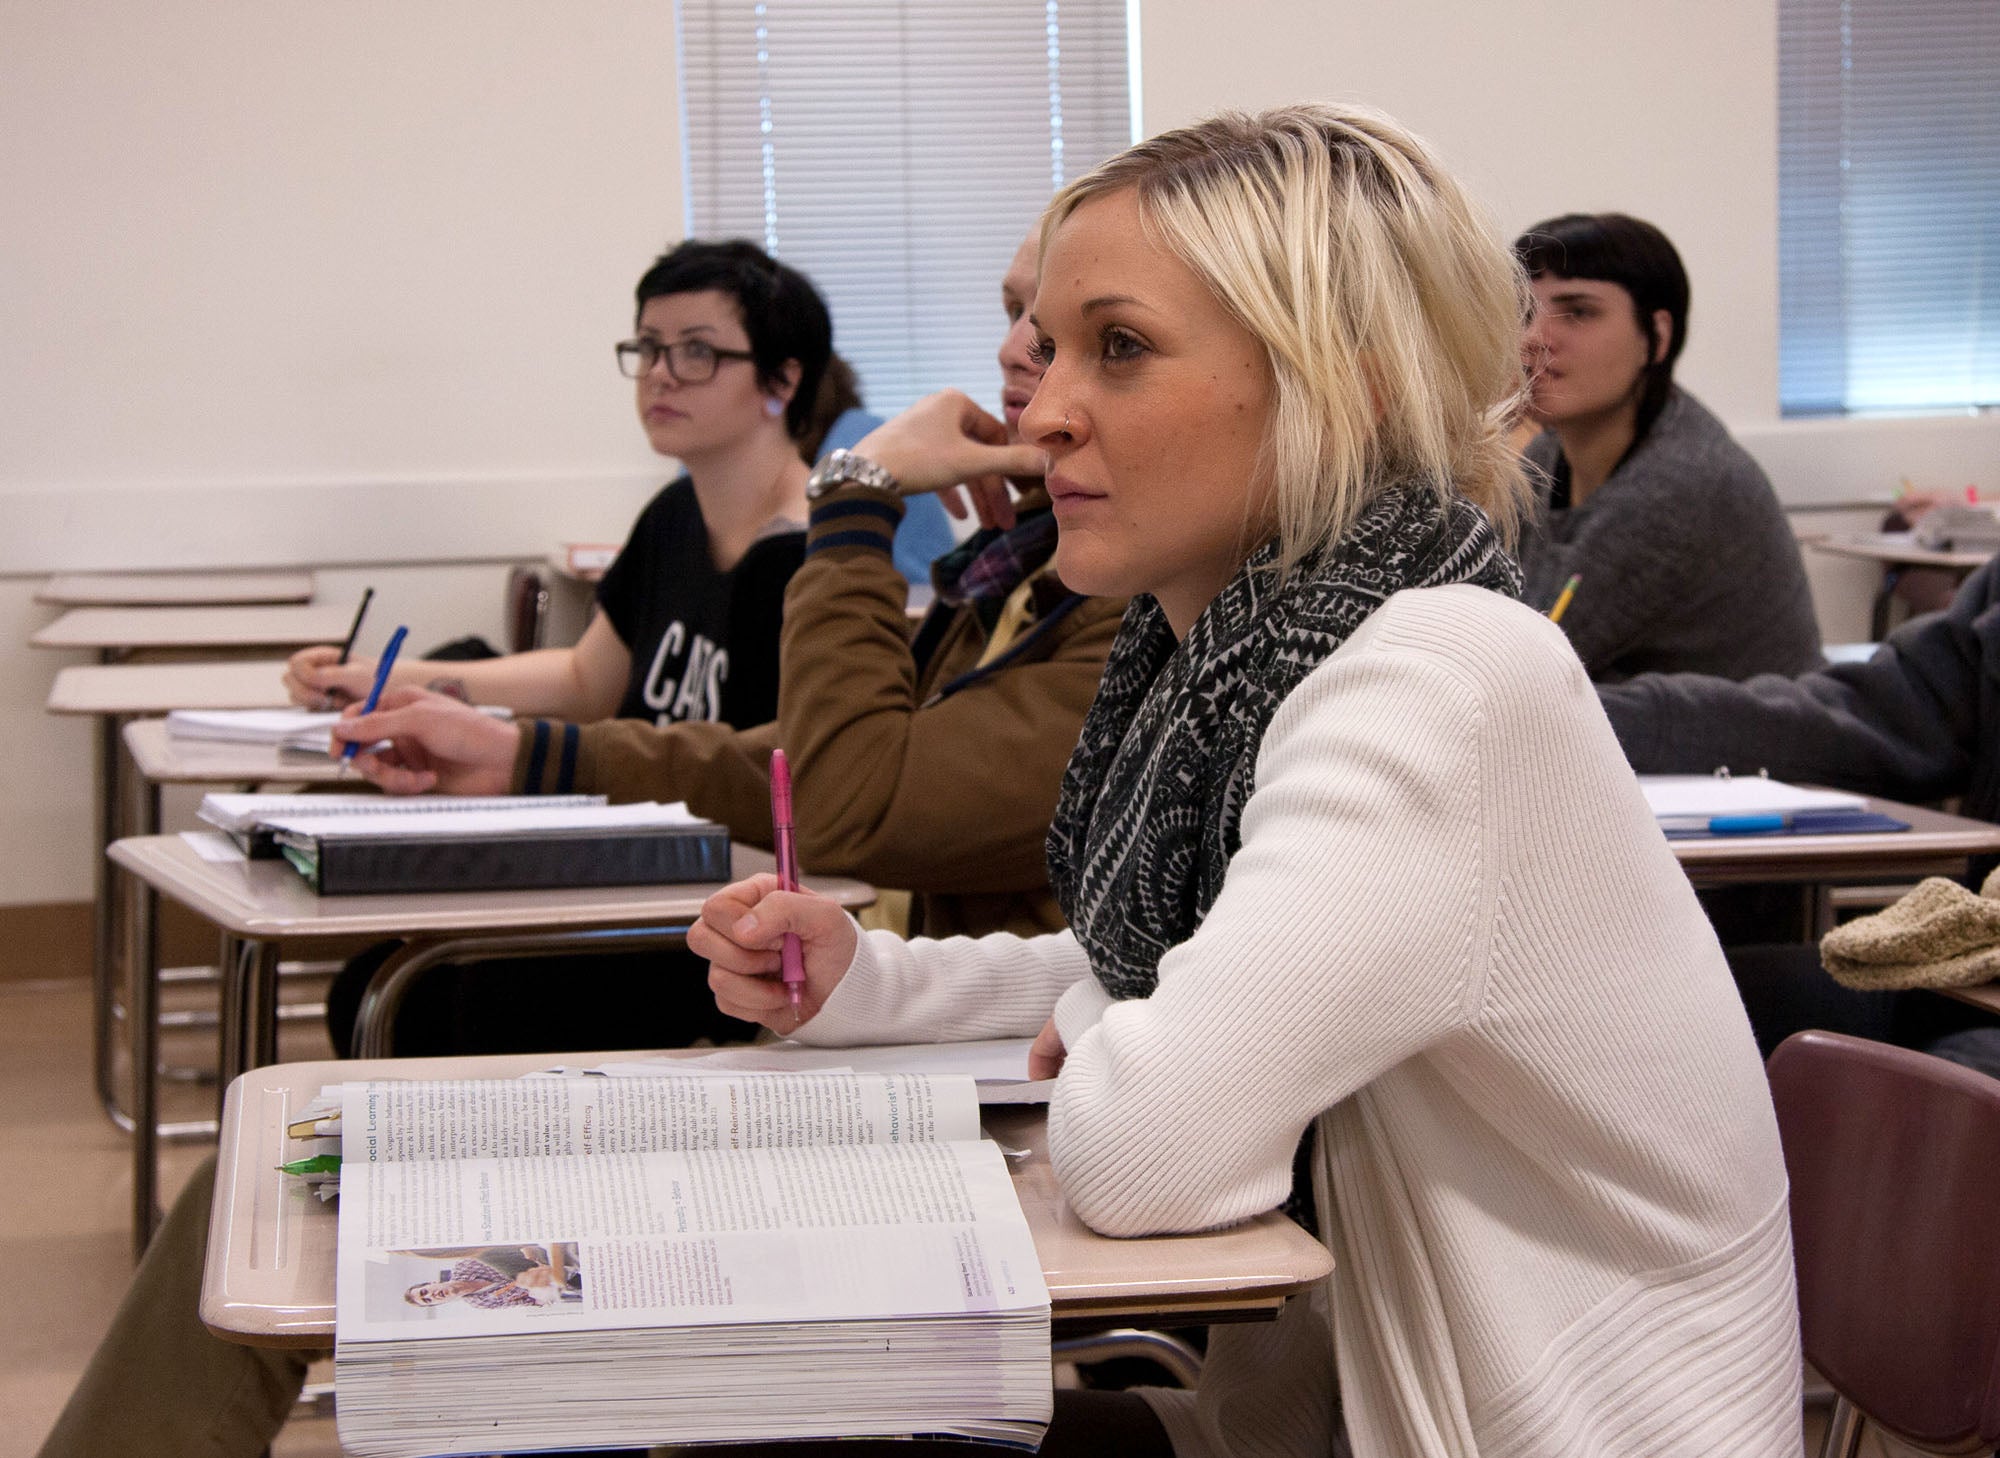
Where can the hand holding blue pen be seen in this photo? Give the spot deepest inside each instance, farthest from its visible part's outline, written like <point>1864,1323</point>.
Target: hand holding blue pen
<point>382,666</point>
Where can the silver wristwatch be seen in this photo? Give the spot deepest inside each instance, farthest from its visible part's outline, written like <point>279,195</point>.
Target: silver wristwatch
<point>839,467</point>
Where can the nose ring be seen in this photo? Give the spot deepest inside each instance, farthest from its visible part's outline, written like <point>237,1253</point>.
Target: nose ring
<point>1065,422</point>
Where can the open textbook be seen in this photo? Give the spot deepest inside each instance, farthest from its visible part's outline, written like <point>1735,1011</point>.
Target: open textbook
<point>529,1264</point>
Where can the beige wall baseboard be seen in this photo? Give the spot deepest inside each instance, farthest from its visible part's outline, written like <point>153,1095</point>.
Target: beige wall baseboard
<point>51,939</point>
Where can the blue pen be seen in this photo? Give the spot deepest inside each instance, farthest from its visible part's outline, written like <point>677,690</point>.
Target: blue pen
<point>382,667</point>
<point>1747,825</point>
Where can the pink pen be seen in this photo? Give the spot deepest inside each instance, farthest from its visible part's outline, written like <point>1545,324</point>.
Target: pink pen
<point>790,954</point>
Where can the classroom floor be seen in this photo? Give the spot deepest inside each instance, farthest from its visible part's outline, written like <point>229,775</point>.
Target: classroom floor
<point>64,1214</point>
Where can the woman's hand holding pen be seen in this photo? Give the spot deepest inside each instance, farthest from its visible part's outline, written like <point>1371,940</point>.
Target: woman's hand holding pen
<point>316,678</point>
<point>740,930</point>
<point>945,441</point>
<point>434,743</point>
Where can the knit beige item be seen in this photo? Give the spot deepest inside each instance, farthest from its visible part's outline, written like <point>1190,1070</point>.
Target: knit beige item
<point>1939,935</point>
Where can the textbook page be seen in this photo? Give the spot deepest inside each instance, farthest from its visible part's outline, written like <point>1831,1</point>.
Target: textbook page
<point>390,1121</point>
<point>679,1239</point>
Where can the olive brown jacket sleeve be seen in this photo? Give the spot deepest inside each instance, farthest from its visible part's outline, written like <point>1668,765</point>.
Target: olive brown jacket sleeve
<point>722,773</point>
<point>939,779</point>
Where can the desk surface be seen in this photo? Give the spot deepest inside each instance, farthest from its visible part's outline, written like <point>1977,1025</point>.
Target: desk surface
<point>269,1275</point>
<point>168,589</point>
<point>295,626</point>
<point>164,760</point>
<point>1936,844</point>
<point>269,901</point>
<point>1895,548</point>
<point>155,688</point>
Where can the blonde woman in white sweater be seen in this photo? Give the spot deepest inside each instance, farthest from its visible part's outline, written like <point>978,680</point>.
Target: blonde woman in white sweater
<point>1348,852</point>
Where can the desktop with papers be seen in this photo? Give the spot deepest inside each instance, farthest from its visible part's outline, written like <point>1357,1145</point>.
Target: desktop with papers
<point>1711,805</point>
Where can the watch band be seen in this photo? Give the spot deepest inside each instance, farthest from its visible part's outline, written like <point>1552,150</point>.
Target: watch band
<point>841,467</point>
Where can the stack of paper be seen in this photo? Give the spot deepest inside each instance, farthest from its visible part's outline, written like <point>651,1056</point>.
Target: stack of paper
<point>286,728</point>
<point>1702,803</point>
<point>247,819</point>
<point>301,730</point>
<point>592,1262</point>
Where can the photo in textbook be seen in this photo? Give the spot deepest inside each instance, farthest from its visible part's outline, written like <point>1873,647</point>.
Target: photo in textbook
<point>409,1285</point>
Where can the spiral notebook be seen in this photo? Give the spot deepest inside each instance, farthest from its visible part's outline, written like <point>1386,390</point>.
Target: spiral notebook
<point>246,819</point>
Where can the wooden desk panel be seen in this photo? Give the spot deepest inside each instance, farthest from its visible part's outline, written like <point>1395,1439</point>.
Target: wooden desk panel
<point>157,688</point>
<point>269,901</point>
<point>1936,844</point>
<point>120,628</point>
<point>176,589</point>
<point>270,1271</point>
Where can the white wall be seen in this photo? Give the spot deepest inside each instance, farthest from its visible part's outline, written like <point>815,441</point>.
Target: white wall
<point>1667,111</point>
<point>289,282</point>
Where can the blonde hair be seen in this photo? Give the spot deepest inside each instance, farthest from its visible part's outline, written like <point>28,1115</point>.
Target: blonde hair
<point>1390,314</point>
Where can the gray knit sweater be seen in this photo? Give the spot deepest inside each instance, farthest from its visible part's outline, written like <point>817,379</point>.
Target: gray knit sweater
<point>1686,562</point>
<point>1918,721</point>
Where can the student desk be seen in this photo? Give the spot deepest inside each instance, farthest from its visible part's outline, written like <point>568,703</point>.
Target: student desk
<point>111,693</point>
<point>1895,551</point>
<point>176,589</point>
<point>1936,844</point>
<point>158,758</point>
<point>118,631</point>
<point>261,906</point>
<point>268,1280</point>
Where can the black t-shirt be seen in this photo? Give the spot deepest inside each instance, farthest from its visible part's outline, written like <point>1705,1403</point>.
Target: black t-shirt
<point>704,643</point>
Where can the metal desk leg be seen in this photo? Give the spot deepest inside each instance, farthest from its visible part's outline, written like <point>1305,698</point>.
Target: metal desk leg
<point>142,1016</point>
<point>249,1031</point>
<point>1878,611</point>
<point>103,954</point>
<point>375,1022</point>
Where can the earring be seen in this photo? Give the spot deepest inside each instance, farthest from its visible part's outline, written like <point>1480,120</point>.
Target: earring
<point>773,406</point>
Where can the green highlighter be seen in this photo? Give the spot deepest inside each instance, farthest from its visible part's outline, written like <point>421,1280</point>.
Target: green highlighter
<point>317,1164</point>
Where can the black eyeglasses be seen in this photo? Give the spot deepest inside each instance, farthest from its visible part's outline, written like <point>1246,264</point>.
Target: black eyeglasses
<point>689,361</point>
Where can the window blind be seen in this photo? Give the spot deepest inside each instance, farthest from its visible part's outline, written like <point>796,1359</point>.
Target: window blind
<point>1889,205</point>
<point>898,151</point>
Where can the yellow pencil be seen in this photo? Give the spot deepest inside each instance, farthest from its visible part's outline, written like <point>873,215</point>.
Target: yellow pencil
<point>1563,597</point>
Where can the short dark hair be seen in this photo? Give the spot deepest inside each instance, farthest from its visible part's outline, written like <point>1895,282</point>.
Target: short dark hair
<point>1635,255</point>
<point>782,312</point>
<point>839,392</point>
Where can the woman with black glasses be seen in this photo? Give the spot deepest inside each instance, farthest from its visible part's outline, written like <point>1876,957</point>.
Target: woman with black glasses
<point>729,350</point>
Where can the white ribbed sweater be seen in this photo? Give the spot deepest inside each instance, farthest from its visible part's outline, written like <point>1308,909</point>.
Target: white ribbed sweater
<point>1548,1166</point>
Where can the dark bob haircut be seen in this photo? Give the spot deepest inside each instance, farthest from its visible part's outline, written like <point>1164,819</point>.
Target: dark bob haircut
<point>782,312</point>
<point>1614,248</point>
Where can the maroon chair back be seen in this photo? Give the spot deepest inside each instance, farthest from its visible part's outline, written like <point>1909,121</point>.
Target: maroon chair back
<point>527,608</point>
<point>1894,1159</point>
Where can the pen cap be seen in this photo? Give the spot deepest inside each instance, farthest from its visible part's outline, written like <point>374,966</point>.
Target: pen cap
<point>781,790</point>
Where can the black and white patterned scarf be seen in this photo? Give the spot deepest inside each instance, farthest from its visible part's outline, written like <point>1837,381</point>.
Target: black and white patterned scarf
<point>1150,808</point>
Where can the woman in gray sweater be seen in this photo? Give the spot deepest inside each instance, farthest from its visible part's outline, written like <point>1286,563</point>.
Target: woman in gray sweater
<point>1683,557</point>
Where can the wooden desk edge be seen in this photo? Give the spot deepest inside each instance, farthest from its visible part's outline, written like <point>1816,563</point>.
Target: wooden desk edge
<point>233,1221</point>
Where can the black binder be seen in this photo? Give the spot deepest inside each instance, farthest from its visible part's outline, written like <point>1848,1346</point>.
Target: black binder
<point>386,861</point>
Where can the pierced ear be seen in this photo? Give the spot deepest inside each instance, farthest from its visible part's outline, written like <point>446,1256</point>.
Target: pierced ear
<point>1663,334</point>
<point>773,406</point>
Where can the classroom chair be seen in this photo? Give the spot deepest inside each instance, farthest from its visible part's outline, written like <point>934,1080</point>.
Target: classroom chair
<point>1894,1159</point>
